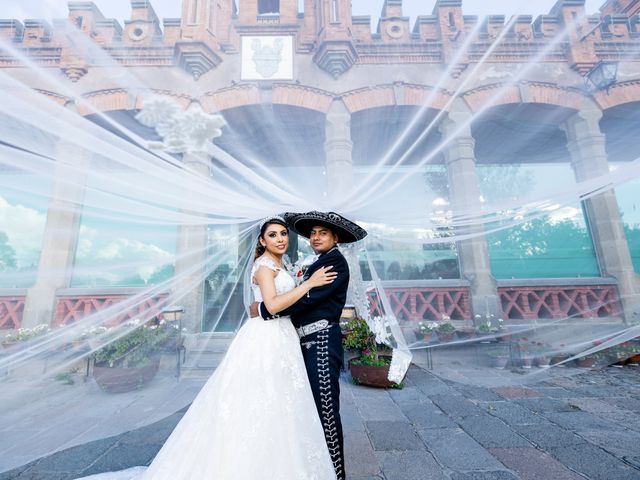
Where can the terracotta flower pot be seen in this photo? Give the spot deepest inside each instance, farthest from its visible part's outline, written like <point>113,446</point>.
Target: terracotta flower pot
<point>370,375</point>
<point>557,360</point>
<point>466,334</point>
<point>586,362</point>
<point>446,336</point>
<point>527,361</point>
<point>427,337</point>
<point>499,361</point>
<point>503,337</point>
<point>119,379</point>
<point>542,362</point>
<point>635,358</point>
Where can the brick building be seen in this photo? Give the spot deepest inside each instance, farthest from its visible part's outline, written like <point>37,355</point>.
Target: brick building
<point>356,88</point>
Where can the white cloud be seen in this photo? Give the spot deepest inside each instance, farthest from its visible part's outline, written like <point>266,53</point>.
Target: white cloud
<point>123,248</point>
<point>123,255</point>
<point>566,213</point>
<point>24,226</point>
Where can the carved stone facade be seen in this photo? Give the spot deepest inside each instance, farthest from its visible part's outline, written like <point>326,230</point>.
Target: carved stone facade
<point>210,31</point>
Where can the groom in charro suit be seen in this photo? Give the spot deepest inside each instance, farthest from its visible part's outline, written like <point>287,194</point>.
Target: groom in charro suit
<point>316,317</point>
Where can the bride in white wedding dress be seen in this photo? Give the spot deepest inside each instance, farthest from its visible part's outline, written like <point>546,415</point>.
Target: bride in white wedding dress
<point>255,418</point>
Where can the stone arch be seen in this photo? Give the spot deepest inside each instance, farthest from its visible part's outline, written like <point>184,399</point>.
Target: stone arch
<point>524,92</point>
<point>397,94</point>
<point>618,94</point>
<point>112,99</point>
<point>56,97</point>
<point>281,94</point>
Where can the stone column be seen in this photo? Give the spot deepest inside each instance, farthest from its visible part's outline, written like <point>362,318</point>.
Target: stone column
<point>60,235</point>
<point>586,144</point>
<point>191,254</point>
<point>464,195</point>
<point>338,148</point>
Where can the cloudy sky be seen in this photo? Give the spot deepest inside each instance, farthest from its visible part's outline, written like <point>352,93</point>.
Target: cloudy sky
<point>120,9</point>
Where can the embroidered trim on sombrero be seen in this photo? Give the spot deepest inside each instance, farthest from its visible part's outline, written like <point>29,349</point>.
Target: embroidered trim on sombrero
<point>344,226</point>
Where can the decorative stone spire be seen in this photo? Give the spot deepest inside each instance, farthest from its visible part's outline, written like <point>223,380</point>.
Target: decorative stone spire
<point>336,52</point>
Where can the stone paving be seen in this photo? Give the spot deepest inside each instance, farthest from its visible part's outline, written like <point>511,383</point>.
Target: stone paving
<point>563,428</point>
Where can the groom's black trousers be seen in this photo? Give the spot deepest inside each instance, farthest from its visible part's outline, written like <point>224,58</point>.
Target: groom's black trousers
<point>323,356</point>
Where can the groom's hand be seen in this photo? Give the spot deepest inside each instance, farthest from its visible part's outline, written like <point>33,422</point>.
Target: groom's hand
<point>253,310</point>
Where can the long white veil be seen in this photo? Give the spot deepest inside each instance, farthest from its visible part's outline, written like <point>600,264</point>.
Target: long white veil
<point>500,199</point>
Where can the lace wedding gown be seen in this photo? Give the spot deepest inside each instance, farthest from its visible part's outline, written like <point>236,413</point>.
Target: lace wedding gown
<point>254,419</point>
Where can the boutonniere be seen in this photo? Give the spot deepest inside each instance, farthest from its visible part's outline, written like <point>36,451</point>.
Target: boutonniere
<point>299,269</point>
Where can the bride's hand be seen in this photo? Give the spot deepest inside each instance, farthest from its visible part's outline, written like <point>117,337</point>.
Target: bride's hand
<point>321,277</point>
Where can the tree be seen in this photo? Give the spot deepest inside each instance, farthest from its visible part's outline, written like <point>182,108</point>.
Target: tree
<point>7,254</point>
<point>540,247</point>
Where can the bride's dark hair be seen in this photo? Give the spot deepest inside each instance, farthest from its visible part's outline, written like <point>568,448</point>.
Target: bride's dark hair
<point>270,221</point>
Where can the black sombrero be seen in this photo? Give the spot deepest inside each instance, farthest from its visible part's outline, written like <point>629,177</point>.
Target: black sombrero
<point>347,231</point>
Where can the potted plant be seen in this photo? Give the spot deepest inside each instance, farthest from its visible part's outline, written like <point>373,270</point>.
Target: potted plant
<point>484,329</point>
<point>23,334</point>
<point>527,353</point>
<point>370,367</point>
<point>543,358</point>
<point>498,357</point>
<point>466,332</point>
<point>132,359</point>
<point>616,354</point>
<point>502,334</point>
<point>590,360</point>
<point>425,330</point>
<point>446,331</point>
<point>559,355</point>
<point>635,354</point>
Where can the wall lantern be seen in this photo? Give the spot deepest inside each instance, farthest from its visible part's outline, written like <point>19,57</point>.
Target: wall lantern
<point>172,313</point>
<point>603,75</point>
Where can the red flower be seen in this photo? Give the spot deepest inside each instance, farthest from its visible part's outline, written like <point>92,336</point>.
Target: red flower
<point>299,273</point>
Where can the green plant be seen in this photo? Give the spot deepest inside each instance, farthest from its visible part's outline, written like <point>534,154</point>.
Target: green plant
<point>66,378</point>
<point>133,348</point>
<point>497,352</point>
<point>360,337</point>
<point>446,327</point>
<point>424,327</point>
<point>484,327</point>
<point>622,351</point>
<point>24,334</point>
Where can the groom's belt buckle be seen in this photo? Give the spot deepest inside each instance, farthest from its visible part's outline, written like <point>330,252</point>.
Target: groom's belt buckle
<point>312,328</point>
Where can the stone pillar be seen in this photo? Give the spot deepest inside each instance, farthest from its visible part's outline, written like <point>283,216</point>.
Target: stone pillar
<point>338,148</point>
<point>60,235</point>
<point>586,144</point>
<point>191,254</point>
<point>464,195</point>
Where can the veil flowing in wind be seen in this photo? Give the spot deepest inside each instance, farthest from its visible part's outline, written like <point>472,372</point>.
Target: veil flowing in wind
<point>492,159</point>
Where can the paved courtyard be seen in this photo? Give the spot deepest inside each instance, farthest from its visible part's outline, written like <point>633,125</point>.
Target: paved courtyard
<point>562,428</point>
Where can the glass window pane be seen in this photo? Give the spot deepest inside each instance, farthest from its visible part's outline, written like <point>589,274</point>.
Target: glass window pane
<point>408,250</point>
<point>115,249</point>
<point>23,215</point>
<point>629,204</point>
<point>557,244</point>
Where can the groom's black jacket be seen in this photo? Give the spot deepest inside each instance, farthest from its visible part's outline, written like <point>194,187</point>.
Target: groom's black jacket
<point>321,303</point>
